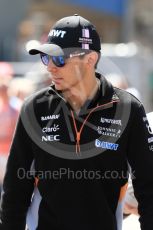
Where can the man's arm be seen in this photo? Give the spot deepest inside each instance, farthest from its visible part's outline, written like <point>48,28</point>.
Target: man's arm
<point>17,186</point>
<point>140,157</point>
<point>131,204</point>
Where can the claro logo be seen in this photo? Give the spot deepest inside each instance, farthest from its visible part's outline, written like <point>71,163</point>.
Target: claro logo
<point>50,129</point>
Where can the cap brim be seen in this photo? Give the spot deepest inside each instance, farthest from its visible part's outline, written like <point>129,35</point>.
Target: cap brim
<point>50,49</point>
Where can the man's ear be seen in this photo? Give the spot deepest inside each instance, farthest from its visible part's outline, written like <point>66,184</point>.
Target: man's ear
<point>92,58</point>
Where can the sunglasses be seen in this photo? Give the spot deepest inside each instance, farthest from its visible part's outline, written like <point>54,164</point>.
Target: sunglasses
<point>58,61</point>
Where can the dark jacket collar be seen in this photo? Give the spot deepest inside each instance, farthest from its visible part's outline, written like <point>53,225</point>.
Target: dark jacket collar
<point>107,92</point>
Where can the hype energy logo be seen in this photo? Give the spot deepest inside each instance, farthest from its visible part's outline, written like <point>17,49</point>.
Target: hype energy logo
<point>106,145</point>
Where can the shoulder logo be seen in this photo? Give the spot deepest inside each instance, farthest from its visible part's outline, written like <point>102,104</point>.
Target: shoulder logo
<point>150,139</point>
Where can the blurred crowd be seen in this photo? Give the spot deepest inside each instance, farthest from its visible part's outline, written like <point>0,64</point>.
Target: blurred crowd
<point>13,91</point>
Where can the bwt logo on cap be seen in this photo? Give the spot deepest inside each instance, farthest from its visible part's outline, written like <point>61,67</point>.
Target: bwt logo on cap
<point>57,33</point>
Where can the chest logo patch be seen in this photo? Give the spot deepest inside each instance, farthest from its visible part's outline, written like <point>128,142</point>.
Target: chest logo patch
<point>106,145</point>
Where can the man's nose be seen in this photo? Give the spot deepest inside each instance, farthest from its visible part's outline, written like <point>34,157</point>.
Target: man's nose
<point>51,67</point>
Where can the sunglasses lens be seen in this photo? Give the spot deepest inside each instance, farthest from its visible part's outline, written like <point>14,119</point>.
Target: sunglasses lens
<point>59,61</point>
<point>45,59</point>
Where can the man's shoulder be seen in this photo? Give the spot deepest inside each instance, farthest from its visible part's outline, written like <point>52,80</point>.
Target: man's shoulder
<point>38,97</point>
<point>127,97</point>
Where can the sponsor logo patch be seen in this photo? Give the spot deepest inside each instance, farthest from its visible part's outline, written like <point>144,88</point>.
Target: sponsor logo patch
<point>108,131</point>
<point>106,145</point>
<point>57,33</point>
<point>151,147</point>
<point>149,129</point>
<point>50,117</point>
<point>50,129</point>
<point>150,139</point>
<point>50,138</point>
<point>110,121</point>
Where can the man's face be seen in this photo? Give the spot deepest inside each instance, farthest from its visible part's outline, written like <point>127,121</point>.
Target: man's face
<point>70,75</point>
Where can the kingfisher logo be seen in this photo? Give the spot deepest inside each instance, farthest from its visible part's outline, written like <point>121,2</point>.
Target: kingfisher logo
<point>106,145</point>
<point>111,121</point>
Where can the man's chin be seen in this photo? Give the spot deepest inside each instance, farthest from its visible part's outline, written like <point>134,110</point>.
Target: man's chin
<point>60,87</point>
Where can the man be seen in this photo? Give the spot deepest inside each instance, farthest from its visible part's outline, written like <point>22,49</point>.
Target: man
<point>68,165</point>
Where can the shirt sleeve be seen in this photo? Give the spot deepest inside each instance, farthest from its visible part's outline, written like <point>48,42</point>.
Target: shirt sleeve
<point>18,185</point>
<point>140,157</point>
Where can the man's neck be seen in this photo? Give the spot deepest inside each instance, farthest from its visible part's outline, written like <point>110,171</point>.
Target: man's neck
<point>77,96</point>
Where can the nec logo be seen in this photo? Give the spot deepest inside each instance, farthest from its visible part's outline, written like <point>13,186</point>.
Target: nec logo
<point>57,33</point>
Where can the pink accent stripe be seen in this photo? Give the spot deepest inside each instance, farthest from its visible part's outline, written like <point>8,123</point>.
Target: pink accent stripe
<point>85,46</point>
<point>85,33</point>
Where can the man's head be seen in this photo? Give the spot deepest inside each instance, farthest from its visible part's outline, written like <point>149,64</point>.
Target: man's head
<point>72,49</point>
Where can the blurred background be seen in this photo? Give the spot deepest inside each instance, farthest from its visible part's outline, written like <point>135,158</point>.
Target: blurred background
<point>125,26</point>
<point>126,30</point>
